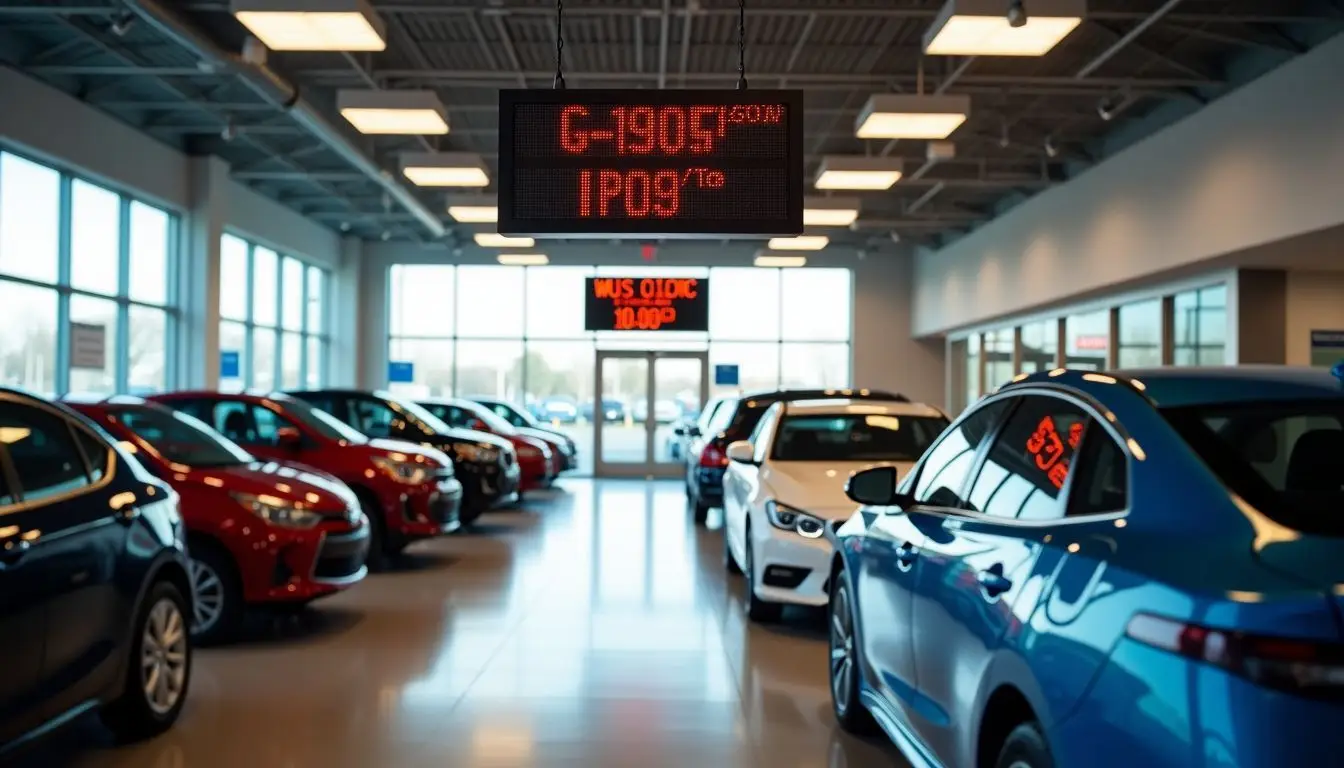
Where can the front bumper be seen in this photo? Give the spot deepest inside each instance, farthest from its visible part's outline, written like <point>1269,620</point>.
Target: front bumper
<point>431,511</point>
<point>791,569</point>
<point>290,565</point>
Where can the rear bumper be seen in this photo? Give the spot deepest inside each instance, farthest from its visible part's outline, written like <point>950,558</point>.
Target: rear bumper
<point>709,485</point>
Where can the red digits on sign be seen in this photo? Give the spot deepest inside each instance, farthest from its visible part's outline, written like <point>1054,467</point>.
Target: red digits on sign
<point>571,139</point>
<point>637,194</point>
<point>641,130</point>
<point>702,138</point>
<point>608,188</point>
<point>666,194</point>
<point>585,193</point>
<point>641,192</point>
<point>671,131</point>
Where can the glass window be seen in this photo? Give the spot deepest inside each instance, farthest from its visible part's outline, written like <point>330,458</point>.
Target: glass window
<point>314,372</point>
<point>146,368</point>
<point>96,453</point>
<point>422,299</point>
<point>948,464</point>
<point>233,338</point>
<point>265,273</point>
<point>972,368</point>
<point>817,304</point>
<point>291,294</point>
<point>179,437</point>
<point>43,451</point>
<point>432,366</point>
<point>88,310</point>
<point>555,302</point>
<point>1102,481</point>
<point>814,365</point>
<point>998,352</point>
<point>233,292</point>
<point>1040,346</point>
<point>263,359</point>
<point>291,360</point>
<point>28,337</point>
<point>1088,339</point>
<point>316,285</point>
<point>490,369</point>
<point>151,233</point>
<point>489,302</point>
<point>372,417</point>
<point>30,219</point>
<point>95,239</point>
<point>1199,325</point>
<point>855,437</point>
<point>559,372</point>
<point>734,316</point>
<point>1025,470</point>
<point>757,365</point>
<point>1140,335</point>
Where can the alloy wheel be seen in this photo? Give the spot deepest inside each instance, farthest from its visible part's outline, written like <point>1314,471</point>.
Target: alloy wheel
<point>842,650</point>
<point>208,592</point>
<point>163,656</point>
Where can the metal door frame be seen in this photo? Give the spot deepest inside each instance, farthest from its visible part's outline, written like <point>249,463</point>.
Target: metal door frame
<point>650,467</point>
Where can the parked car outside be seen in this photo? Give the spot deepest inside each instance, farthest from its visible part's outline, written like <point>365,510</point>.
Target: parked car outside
<point>408,492</point>
<point>556,410</point>
<point>486,465</point>
<point>260,533</point>
<point>95,595</point>
<point>612,410</point>
<point>1105,569</point>
<point>519,417</point>
<point>539,453</point>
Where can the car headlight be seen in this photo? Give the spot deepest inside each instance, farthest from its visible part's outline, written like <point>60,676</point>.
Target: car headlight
<point>408,472</point>
<point>787,518</point>
<point>277,512</point>
<point>474,452</point>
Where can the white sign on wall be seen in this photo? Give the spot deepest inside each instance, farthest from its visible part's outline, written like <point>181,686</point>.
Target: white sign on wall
<point>88,346</point>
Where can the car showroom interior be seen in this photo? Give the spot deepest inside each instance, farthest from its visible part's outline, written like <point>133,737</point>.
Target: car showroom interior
<point>671,383</point>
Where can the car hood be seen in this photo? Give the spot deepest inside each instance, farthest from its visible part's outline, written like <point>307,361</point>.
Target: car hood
<point>548,437</point>
<point>294,483</point>
<point>456,435</point>
<point>817,487</point>
<point>383,447</point>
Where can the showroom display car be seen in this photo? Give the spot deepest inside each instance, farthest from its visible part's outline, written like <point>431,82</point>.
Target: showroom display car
<point>259,532</point>
<point>541,455</point>
<point>729,419</point>
<point>1095,569</point>
<point>408,492</point>
<point>95,595</point>
<point>787,481</point>
<point>522,419</point>
<point>487,466</point>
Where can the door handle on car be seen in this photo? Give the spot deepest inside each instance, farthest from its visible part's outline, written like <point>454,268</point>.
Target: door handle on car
<point>906,555</point>
<point>993,582</point>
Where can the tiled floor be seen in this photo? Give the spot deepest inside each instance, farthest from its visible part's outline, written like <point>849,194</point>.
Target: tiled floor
<point>596,628</point>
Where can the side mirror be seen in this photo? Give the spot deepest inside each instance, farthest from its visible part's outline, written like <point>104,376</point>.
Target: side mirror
<point>679,431</point>
<point>693,430</point>
<point>742,451</point>
<point>289,437</point>
<point>875,486</point>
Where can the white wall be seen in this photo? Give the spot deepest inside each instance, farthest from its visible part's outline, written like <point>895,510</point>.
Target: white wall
<point>1315,303</point>
<point>1259,165</point>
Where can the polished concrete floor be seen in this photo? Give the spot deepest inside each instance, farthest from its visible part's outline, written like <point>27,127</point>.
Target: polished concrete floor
<point>595,628</point>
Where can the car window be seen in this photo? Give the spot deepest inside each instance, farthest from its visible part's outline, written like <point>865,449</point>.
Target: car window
<point>267,424</point>
<point>43,451</point>
<point>1101,482</point>
<point>231,419</point>
<point>1024,473</point>
<point>855,437</point>
<point>96,453</point>
<point>764,433</point>
<point>707,415</point>
<point>722,416</point>
<point>372,417</point>
<point>948,463</point>
<point>179,437</point>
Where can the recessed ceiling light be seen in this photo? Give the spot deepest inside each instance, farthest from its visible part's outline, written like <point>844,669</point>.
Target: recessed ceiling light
<point>394,112</point>
<point>474,214</point>
<point>495,240</point>
<point>445,169</point>
<point>309,25</point>
<point>855,172</point>
<point>523,259</point>
<point>903,116</point>
<point>830,211</point>
<point>982,28</point>
<point>800,243</point>
<point>768,260</point>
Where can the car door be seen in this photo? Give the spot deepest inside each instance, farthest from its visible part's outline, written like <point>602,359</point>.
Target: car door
<point>976,560</point>
<point>23,607</point>
<point>892,559</point>
<point>742,487</point>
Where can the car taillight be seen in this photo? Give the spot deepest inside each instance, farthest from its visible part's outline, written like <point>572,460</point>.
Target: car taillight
<point>1299,666</point>
<point>713,456</point>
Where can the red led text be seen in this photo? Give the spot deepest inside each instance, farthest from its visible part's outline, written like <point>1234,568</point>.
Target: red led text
<point>671,130</point>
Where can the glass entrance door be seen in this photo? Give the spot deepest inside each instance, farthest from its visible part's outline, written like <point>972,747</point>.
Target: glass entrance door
<point>640,399</point>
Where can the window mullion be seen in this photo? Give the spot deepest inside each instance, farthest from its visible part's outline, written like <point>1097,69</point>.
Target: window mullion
<point>121,367</point>
<point>249,326</point>
<point>62,383</point>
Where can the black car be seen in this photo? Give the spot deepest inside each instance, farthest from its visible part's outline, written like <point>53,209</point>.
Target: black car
<point>487,466</point>
<point>94,593</point>
<point>520,418</point>
<point>728,419</point>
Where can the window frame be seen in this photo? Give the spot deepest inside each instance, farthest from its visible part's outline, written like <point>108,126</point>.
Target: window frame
<point>17,488</point>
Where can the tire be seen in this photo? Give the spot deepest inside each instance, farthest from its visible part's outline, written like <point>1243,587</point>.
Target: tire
<point>138,714</point>
<point>217,593</point>
<point>377,559</point>
<point>1025,747</point>
<point>758,610</point>
<point>843,670</point>
<point>729,564</point>
<point>701,510</point>
<point>468,515</point>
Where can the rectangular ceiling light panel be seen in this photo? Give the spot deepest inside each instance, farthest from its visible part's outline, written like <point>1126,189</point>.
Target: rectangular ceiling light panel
<point>769,260</point>
<point>474,214</point>
<point>982,28</point>
<point>523,259</point>
<point>858,172</point>
<point>830,211</point>
<point>800,243</point>
<point>905,116</point>
<point>495,240</point>
<point>312,25</point>
<point>406,113</point>
<point>445,169</point>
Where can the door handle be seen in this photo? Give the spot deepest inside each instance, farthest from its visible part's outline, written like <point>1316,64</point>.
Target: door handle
<point>993,582</point>
<point>906,555</point>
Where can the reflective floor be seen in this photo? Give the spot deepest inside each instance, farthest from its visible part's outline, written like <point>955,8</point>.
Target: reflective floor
<point>595,628</point>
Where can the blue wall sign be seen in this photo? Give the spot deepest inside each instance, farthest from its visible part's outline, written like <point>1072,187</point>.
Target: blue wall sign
<point>400,372</point>
<point>726,376</point>
<point>230,364</point>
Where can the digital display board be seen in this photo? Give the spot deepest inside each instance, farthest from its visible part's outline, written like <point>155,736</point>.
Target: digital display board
<point>646,304</point>
<point>650,163</point>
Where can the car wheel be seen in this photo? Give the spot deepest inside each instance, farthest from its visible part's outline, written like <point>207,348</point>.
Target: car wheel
<point>376,560</point>
<point>759,610</point>
<point>1025,747</point>
<point>158,671</point>
<point>701,510</point>
<point>844,664</point>
<point>217,593</point>
<point>468,515</point>
<point>729,563</point>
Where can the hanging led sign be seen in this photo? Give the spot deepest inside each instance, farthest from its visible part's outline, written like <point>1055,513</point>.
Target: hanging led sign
<point>646,304</point>
<point>650,163</point>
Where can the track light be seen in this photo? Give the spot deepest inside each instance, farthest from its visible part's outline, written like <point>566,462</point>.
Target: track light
<point>122,25</point>
<point>1105,111</point>
<point>1050,149</point>
<point>1017,14</point>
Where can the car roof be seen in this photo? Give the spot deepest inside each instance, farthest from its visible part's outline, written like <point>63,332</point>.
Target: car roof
<point>818,394</point>
<point>211,394</point>
<point>875,407</point>
<point>1177,387</point>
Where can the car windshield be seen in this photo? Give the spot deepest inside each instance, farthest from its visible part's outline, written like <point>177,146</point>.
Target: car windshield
<point>322,422</point>
<point>493,421</point>
<point>514,416</point>
<point>180,438</point>
<point>1286,459</point>
<point>855,437</point>
<point>418,412</point>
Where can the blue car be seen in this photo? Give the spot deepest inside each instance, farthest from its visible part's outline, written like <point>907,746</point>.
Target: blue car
<point>1143,568</point>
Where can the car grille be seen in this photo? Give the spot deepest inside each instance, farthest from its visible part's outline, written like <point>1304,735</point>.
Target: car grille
<point>442,510</point>
<point>341,556</point>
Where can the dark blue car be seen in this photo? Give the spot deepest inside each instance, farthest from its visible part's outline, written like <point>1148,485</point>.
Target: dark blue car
<point>94,592</point>
<point>1135,569</point>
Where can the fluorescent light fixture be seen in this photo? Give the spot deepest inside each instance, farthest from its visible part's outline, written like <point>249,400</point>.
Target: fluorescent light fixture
<point>474,209</point>
<point>981,28</point>
<point>406,113</point>
<point>493,240</point>
<point>857,172</point>
<point>768,260</point>
<point>523,259</point>
<point>830,211</point>
<point>904,116</point>
<point>312,25</point>
<point>800,243</point>
<point>445,169</point>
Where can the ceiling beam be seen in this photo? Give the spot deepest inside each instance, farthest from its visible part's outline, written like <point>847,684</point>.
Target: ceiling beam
<point>1119,45</point>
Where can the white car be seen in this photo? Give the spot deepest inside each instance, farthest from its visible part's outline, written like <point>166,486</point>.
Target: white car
<point>787,481</point>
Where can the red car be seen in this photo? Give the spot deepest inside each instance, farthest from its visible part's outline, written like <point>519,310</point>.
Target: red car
<point>408,491</point>
<point>538,453</point>
<point>257,532</point>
